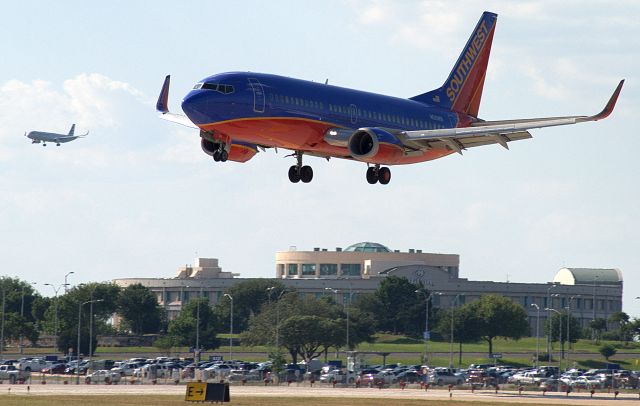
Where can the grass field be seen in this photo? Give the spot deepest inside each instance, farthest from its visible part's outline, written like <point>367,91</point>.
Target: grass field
<point>6,400</point>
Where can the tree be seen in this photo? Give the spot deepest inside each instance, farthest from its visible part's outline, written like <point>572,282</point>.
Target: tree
<point>396,306</point>
<point>558,323</point>
<point>68,305</point>
<point>622,319</point>
<point>183,329</point>
<point>312,335</point>
<point>499,317</point>
<point>19,297</point>
<point>248,299</point>
<point>288,321</point>
<point>598,326</point>
<point>607,351</point>
<point>139,309</point>
<point>467,326</point>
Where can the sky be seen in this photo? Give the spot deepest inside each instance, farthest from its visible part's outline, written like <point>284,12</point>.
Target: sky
<point>138,197</point>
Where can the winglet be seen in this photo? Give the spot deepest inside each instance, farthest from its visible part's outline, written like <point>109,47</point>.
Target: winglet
<point>610,104</point>
<point>163,99</point>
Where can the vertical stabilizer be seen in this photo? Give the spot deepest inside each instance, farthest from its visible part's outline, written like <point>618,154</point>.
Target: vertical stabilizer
<point>462,90</point>
<point>72,130</point>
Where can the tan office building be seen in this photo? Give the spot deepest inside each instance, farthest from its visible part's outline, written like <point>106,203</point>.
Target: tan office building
<point>359,268</point>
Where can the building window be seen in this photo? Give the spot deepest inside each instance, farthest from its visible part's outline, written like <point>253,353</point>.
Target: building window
<point>578,303</point>
<point>525,301</point>
<point>328,269</point>
<point>308,269</point>
<point>350,269</point>
<point>293,269</point>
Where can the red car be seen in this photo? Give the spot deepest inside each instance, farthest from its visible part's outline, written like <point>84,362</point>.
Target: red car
<point>55,369</point>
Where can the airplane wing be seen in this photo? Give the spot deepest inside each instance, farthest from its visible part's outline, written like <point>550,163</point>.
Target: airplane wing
<point>495,132</point>
<point>163,108</point>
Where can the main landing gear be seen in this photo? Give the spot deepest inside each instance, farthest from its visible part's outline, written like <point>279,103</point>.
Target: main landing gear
<point>378,174</point>
<point>220,154</point>
<point>299,172</point>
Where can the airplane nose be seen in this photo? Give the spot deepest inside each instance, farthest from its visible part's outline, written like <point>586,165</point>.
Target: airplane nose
<point>195,105</point>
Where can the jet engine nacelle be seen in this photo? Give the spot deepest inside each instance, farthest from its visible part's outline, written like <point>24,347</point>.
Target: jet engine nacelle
<point>375,145</point>
<point>238,151</point>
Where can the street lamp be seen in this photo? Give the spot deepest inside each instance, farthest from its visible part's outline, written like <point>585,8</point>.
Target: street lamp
<point>198,326</point>
<point>65,281</point>
<point>270,290</point>
<point>56,289</point>
<point>549,321</point>
<point>456,300</point>
<point>230,328</point>
<point>537,332</point>
<point>569,327</point>
<point>80,304</point>
<point>22,315</point>
<point>426,334</point>
<point>559,334</point>
<point>335,293</point>
<point>4,293</point>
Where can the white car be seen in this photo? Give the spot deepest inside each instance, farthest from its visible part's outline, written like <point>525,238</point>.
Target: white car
<point>103,376</point>
<point>33,364</point>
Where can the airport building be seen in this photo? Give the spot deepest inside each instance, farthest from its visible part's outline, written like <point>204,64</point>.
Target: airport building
<point>358,269</point>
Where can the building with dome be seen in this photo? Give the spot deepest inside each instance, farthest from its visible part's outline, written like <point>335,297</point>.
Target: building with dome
<point>588,293</point>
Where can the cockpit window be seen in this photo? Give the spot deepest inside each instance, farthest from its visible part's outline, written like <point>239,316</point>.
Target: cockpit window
<point>197,86</point>
<point>218,87</point>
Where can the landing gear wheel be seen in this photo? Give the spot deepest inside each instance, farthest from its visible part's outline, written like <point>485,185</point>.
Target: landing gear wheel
<point>224,155</point>
<point>294,174</point>
<point>384,175</point>
<point>306,174</point>
<point>372,175</point>
<point>216,155</point>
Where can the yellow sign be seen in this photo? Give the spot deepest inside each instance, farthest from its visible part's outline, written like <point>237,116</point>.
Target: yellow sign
<point>196,391</point>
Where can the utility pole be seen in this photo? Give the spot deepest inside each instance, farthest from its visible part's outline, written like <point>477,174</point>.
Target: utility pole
<point>537,333</point>
<point>230,328</point>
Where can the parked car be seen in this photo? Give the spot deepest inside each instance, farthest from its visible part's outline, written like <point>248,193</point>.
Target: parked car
<point>553,385</point>
<point>12,374</point>
<point>586,382</point>
<point>57,368</point>
<point>409,376</point>
<point>444,378</point>
<point>103,376</point>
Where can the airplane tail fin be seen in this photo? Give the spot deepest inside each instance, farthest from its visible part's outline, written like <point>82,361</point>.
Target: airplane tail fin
<point>72,130</point>
<point>462,90</point>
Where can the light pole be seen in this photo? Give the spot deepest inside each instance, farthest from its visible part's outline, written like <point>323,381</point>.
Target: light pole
<point>56,289</point>
<point>230,328</point>
<point>335,294</point>
<point>549,322</point>
<point>569,327</point>
<point>537,333</point>
<point>270,290</point>
<point>22,315</point>
<point>426,334</point>
<point>65,281</point>
<point>455,300</point>
<point>198,327</point>
<point>559,335</point>
<point>80,304</point>
<point>4,293</point>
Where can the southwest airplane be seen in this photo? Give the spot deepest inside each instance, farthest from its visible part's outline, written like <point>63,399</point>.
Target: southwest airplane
<point>238,113</point>
<point>44,137</point>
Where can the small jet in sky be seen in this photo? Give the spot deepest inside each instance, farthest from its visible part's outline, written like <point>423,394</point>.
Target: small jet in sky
<point>238,113</point>
<point>41,136</point>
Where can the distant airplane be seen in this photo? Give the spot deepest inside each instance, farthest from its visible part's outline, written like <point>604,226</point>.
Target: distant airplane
<point>44,137</point>
<point>239,112</point>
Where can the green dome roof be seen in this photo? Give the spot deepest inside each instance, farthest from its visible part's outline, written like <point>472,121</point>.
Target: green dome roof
<point>367,247</point>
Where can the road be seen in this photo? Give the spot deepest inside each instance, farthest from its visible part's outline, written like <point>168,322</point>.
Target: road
<point>304,391</point>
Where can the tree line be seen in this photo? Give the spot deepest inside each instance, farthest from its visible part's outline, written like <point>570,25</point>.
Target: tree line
<point>267,313</point>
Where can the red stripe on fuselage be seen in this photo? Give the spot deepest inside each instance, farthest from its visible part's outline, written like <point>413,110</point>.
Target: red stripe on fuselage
<point>299,134</point>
